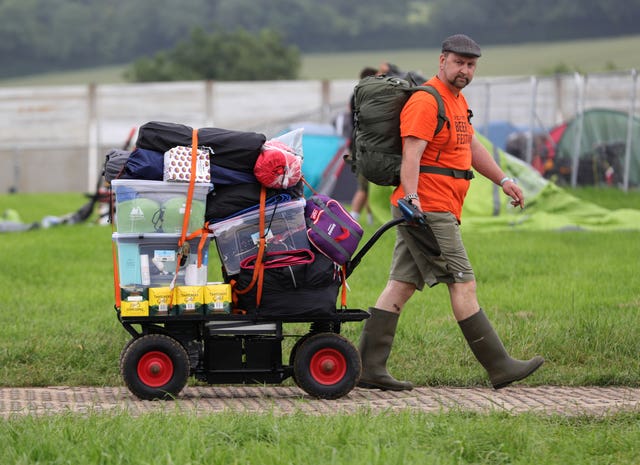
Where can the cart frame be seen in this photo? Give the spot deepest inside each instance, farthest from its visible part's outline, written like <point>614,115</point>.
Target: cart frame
<point>165,351</point>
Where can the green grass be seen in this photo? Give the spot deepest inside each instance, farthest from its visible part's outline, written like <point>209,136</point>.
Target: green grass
<point>611,198</point>
<point>571,296</point>
<point>586,56</point>
<point>363,438</point>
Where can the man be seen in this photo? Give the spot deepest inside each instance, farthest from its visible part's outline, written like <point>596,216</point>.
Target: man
<point>435,175</point>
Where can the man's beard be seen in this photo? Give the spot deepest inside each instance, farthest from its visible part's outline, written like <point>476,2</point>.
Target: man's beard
<point>460,82</point>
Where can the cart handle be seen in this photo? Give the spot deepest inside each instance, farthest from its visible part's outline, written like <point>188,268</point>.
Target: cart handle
<point>410,214</point>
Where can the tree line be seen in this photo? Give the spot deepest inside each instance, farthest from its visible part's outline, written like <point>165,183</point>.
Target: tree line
<point>46,35</point>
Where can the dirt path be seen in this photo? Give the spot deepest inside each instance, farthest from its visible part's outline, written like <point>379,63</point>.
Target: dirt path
<point>284,400</point>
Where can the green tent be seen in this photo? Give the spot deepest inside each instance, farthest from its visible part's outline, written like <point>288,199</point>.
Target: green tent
<point>598,146</point>
<point>548,207</point>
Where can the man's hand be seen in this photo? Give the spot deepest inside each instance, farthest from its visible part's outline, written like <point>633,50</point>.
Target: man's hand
<point>513,190</point>
<point>411,212</point>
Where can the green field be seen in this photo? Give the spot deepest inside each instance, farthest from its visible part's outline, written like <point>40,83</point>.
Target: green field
<point>570,296</point>
<point>586,56</point>
<point>404,438</point>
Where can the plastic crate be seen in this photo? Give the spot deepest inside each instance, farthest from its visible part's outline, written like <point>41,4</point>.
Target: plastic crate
<point>157,206</point>
<point>238,238</point>
<point>150,260</point>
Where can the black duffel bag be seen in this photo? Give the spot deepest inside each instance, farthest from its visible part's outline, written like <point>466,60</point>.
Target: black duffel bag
<point>236,150</point>
<point>308,290</point>
<point>226,200</point>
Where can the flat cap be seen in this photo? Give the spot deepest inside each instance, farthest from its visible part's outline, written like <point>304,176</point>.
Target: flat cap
<point>462,45</point>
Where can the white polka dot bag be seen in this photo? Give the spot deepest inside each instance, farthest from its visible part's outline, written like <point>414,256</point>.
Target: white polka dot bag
<point>177,164</point>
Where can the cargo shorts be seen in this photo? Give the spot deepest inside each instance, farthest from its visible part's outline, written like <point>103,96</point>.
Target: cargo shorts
<point>430,257</point>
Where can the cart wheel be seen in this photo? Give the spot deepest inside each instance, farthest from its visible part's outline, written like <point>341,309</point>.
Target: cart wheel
<point>294,351</point>
<point>327,366</point>
<point>155,366</point>
<point>125,348</point>
<point>130,341</point>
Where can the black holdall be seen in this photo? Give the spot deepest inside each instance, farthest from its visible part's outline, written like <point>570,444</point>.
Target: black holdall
<point>160,136</point>
<point>236,150</point>
<point>227,200</point>
<point>305,290</point>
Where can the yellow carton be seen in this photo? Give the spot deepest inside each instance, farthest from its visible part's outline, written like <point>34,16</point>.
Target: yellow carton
<point>188,299</point>
<point>159,298</point>
<point>217,298</point>
<point>133,301</point>
<point>134,308</point>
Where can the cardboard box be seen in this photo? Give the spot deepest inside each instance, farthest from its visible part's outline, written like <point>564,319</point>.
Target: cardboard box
<point>188,300</point>
<point>134,308</point>
<point>159,299</point>
<point>237,238</point>
<point>217,298</point>
<point>157,207</point>
<point>134,301</point>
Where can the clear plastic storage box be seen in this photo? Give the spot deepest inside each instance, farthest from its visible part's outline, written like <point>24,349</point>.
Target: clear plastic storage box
<point>237,238</point>
<point>157,206</point>
<point>151,260</point>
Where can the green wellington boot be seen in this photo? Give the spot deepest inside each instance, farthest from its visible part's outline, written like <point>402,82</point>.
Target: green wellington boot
<point>488,349</point>
<point>375,346</point>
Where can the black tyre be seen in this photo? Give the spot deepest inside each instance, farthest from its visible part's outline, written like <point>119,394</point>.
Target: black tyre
<point>316,327</point>
<point>327,366</point>
<point>148,330</point>
<point>294,351</point>
<point>124,349</point>
<point>155,366</point>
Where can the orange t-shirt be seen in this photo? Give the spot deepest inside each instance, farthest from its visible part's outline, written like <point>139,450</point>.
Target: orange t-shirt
<point>451,148</point>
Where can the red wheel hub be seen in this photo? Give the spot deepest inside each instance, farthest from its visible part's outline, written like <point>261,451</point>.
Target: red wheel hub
<point>155,369</point>
<point>328,366</point>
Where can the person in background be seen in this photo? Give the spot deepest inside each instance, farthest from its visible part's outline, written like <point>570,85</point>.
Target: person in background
<point>389,69</point>
<point>360,197</point>
<point>434,177</point>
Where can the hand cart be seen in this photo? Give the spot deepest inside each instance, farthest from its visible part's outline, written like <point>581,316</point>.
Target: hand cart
<point>165,351</point>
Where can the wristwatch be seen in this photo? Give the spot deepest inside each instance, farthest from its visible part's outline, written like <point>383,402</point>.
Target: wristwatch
<point>410,197</point>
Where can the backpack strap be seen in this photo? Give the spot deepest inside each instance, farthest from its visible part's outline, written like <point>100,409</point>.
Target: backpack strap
<point>442,114</point>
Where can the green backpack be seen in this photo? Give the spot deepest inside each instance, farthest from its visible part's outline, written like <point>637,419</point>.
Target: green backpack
<point>377,147</point>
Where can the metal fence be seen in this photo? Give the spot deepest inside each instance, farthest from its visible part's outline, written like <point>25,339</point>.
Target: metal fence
<point>535,105</point>
<point>53,139</point>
